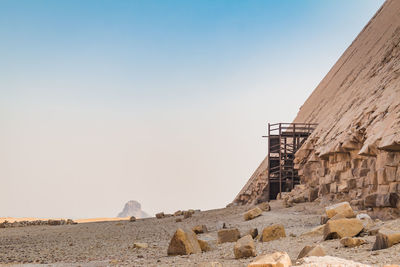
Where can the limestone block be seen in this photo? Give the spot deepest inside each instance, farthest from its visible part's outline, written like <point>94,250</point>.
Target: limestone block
<point>342,208</point>
<point>381,176</point>
<point>386,239</point>
<point>228,235</point>
<point>372,178</point>
<point>333,188</point>
<point>390,173</point>
<point>273,232</point>
<point>381,200</point>
<point>393,187</point>
<point>352,242</point>
<point>383,189</point>
<point>264,206</point>
<point>308,251</point>
<point>277,259</point>
<point>184,242</point>
<point>342,228</point>
<point>244,248</point>
<point>253,213</point>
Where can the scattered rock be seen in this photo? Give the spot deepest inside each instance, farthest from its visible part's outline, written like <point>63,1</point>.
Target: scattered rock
<point>366,220</point>
<point>308,251</point>
<point>204,245</point>
<point>160,215</point>
<point>277,259</point>
<point>337,217</point>
<point>132,219</point>
<point>319,230</point>
<point>199,229</point>
<point>352,242</point>
<point>253,213</point>
<point>245,247</point>
<point>178,213</point>
<point>273,232</point>
<point>253,232</point>
<point>264,206</point>
<point>188,213</point>
<point>228,235</point>
<point>342,208</point>
<point>140,245</point>
<point>386,239</point>
<point>184,242</point>
<point>178,220</point>
<point>342,228</point>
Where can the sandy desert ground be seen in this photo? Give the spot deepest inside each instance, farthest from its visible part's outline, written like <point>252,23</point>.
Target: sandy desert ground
<point>111,243</point>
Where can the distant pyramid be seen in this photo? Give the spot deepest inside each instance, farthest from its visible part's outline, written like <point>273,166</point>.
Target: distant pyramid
<point>133,208</point>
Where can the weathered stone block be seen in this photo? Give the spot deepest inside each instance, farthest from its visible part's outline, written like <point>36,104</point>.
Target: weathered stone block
<point>199,229</point>
<point>228,235</point>
<point>372,178</point>
<point>244,248</point>
<point>204,245</point>
<point>383,189</point>
<point>342,208</point>
<point>253,213</point>
<point>333,188</point>
<point>381,176</point>
<point>342,228</point>
<point>381,200</point>
<point>309,251</point>
<point>393,187</point>
<point>386,239</point>
<point>184,242</point>
<point>273,232</point>
<point>390,173</point>
<point>352,242</point>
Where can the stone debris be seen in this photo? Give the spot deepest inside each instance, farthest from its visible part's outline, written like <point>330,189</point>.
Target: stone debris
<point>245,247</point>
<point>342,228</point>
<point>204,245</point>
<point>178,213</point>
<point>253,213</point>
<point>178,220</point>
<point>228,235</point>
<point>385,239</point>
<point>160,215</point>
<point>264,206</point>
<point>273,232</point>
<point>140,245</point>
<point>200,229</point>
<point>352,242</point>
<point>253,232</point>
<point>277,259</point>
<point>308,251</point>
<point>328,261</point>
<point>183,242</point>
<point>221,225</point>
<point>132,219</point>
<point>188,213</point>
<point>52,222</point>
<point>342,208</point>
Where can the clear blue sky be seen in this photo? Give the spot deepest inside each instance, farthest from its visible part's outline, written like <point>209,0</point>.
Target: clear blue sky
<point>163,102</point>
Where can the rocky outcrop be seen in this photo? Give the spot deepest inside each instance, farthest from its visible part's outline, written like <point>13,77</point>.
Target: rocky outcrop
<point>133,208</point>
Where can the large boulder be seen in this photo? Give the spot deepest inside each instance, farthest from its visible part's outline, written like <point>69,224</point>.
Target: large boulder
<point>277,259</point>
<point>342,208</point>
<point>244,247</point>
<point>342,228</point>
<point>308,251</point>
<point>273,232</point>
<point>253,213</point>
<point>385,239</point>
<point>184,242</point>
<point>160,215</point>
<point>228,235</point>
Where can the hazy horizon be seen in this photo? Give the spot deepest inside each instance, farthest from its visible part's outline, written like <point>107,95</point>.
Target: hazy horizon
<point>162,102</point>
